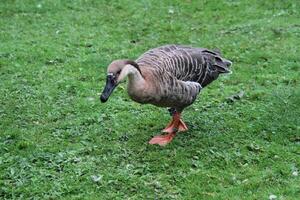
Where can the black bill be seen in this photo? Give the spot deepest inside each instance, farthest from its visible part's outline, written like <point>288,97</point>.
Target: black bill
<point>109,88</point>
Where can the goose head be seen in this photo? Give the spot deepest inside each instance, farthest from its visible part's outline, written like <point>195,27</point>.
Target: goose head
<point>116,72</point>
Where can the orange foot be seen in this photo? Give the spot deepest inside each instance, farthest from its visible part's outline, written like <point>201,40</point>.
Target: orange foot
<point>176,125</point>
<point>172,127</point>
<point>162,140</point>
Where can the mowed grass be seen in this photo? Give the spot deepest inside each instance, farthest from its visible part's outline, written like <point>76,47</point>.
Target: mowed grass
<point>57,140</point>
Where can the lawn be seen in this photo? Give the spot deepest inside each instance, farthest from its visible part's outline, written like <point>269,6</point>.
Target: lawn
<point>57,141</point>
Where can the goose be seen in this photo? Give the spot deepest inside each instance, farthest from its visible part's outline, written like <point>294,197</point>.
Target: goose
<point>168,76</point>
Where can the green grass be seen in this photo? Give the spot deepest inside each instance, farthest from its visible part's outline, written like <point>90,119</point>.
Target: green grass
<point>57,140</point>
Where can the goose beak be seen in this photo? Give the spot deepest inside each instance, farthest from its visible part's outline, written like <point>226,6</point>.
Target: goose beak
<point>109,88</point>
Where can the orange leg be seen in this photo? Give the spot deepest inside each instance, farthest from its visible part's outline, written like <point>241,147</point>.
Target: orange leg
<point>176,125</point>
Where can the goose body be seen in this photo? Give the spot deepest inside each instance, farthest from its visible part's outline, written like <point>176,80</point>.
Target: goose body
<point>167,76</point>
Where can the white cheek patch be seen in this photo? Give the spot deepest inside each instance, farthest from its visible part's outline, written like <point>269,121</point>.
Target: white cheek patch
<point>110,74</point>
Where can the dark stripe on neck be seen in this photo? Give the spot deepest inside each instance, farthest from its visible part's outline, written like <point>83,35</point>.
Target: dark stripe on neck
<point>133,63</point>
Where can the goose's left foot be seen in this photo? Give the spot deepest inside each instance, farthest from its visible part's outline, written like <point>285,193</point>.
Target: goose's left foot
<point>162,140</point>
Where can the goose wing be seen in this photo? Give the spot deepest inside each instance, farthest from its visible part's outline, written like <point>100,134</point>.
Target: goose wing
<point>186,63</point>
<point>171,92</point>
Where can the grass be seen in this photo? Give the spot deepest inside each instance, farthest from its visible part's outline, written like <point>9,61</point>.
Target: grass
<point>57,140</point>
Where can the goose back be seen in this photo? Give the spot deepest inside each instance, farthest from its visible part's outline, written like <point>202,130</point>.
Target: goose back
<point>184,63</point>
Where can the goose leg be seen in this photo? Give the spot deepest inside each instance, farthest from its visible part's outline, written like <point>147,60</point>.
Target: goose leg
<point>175,126</point>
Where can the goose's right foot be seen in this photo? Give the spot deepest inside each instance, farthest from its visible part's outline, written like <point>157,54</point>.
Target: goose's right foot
<point>176,125</point>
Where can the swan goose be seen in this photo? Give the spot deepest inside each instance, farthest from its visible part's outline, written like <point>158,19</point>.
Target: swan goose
<point>167,76</point>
